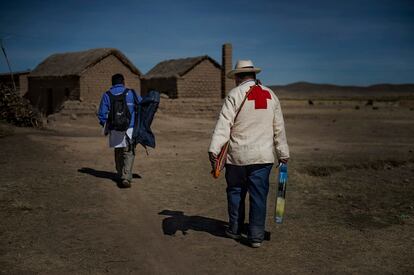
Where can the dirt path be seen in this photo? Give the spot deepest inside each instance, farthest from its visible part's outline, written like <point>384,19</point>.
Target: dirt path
<point>350,200</point>
<point>58,215</point>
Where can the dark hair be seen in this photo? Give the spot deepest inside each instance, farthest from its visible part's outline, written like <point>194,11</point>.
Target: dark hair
<point>246,75</point>
<point>117,79</point>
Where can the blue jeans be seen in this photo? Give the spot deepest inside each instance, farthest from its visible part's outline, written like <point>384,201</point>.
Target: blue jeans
<point>255,180</point>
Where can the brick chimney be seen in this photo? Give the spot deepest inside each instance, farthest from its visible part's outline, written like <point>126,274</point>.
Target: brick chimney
<point>226,65</point>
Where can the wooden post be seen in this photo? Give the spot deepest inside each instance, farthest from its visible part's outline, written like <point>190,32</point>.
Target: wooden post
<point>8,64</point>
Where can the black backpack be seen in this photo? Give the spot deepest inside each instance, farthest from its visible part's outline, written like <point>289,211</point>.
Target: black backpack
<point>119,116</point>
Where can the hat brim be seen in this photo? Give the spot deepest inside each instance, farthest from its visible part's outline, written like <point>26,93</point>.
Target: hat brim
<point>232,73</point>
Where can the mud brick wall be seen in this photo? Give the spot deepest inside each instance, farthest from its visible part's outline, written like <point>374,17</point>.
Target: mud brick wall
<point>202,81</point>
<point>97,80</point>
<point>47,94</point>
<point>167,86</point>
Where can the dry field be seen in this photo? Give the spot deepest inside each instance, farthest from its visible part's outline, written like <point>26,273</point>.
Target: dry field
<point>350,200</point>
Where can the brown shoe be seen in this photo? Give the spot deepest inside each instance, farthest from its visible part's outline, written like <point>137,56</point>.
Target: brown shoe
<point>255,244</point>
<point>232,235</point>
<point>126,184</point>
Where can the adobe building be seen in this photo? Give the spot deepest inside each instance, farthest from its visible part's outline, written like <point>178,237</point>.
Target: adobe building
<point>193,77</point>
<point>84,75</point>
<point>20,80</point>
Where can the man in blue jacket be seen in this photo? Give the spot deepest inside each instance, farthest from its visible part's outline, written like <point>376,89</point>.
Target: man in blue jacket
<point>120,140</point>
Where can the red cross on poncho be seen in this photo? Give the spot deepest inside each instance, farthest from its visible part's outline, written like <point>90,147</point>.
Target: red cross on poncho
<point>260,97</point>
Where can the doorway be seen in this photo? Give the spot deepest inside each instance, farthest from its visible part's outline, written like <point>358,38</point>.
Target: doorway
<point>49,102</point>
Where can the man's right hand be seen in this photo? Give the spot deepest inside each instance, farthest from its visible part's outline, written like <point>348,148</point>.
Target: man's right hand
<point>213,159</point>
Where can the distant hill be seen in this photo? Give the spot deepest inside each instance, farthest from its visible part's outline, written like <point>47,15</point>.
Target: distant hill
<point>306,90</point>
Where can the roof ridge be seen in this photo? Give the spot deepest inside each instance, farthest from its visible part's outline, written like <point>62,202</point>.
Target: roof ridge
<point>76,63</point>
<point>177,67</point>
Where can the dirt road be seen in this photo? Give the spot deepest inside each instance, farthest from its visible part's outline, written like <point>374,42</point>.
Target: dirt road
<point>349,205</point>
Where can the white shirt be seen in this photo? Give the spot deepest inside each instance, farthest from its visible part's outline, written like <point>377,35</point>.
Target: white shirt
<point>259,131</point>
<point>117,139</point>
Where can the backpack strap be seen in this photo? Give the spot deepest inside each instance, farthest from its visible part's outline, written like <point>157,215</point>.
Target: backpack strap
<point>244,100</point>
<point>134,94</point>
<point>110,95</point>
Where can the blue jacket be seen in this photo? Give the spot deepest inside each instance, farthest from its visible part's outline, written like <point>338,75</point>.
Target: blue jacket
<point>147,108</point>
<point>105,105</point>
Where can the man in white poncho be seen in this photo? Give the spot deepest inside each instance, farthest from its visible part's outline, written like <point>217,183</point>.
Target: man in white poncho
<point>257,135</point>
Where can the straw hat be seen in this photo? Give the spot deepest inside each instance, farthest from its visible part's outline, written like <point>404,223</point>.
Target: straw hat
<point>243,66</point>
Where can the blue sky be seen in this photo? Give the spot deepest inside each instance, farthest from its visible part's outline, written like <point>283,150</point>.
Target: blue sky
<point>349,42</point>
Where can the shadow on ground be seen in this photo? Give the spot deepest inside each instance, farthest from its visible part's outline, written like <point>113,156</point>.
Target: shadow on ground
<point>104,174</point>
<point>178,221</point>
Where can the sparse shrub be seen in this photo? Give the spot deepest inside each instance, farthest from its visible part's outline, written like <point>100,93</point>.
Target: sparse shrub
<point>17,110</point>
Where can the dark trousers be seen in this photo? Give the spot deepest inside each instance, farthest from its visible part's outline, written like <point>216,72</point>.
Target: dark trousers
<point>255,180</point>
<point>124,161</point>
